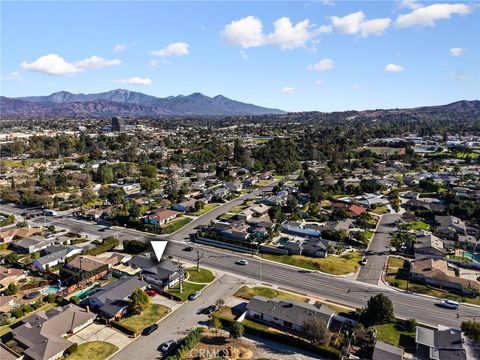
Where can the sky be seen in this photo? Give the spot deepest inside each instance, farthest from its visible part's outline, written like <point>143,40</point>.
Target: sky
<point>324,55</point>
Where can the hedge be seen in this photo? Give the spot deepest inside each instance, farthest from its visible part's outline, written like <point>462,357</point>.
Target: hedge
<point>127,330</point>
<point>187,344</point>
<point>258,330</point>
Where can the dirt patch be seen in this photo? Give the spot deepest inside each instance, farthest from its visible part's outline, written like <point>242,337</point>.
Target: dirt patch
<point>219,345</point>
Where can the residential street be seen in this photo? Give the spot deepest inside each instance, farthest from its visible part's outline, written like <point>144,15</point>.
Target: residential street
<point>376,253</point>
<point>178,323</point>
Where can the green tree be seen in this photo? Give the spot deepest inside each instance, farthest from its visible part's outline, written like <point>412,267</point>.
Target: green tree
<point>237,330</point>
<point>315,330</point>
<point>139,301</point>
<point>379,310</point>
<point>12,289</point>
<point>215,323</point>
<point>12,258</point>
<point>471,329</point>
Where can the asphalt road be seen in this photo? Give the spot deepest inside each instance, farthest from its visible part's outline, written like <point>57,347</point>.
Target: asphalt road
<point>335,289</point>
<point>178,323</point>
<point>377,250</point>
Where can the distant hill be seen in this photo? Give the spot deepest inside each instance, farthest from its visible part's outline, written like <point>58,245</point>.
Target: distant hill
<point>126,103</point>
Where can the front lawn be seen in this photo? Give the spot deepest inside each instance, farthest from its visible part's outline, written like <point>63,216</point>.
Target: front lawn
<point>247,293</point>
<point>335,265</point>
<point>93,350</point>
<point>418,225</point>
<point>202,276</point>
<point>205,209</point>
<point>381,210</point>
<point>175,225</point>
<point>152,315</point>
<point>188,288</point>
<point>394,334</point>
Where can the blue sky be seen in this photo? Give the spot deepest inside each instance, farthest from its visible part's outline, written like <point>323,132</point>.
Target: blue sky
<point>319,55</point>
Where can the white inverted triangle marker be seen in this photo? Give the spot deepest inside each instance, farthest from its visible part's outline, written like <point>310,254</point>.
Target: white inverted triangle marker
<point>159,248</point>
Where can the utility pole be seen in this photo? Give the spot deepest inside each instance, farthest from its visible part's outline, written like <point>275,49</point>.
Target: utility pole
<point>199,256</point>
<point>180,281</point>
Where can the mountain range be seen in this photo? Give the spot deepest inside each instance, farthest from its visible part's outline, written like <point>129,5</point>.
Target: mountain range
<point>125,103</point>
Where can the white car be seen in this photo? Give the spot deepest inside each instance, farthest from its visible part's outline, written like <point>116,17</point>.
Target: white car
<point>364,261</point>
<point>449,304</point>
<point>167,346</point>
<point>242,262</point>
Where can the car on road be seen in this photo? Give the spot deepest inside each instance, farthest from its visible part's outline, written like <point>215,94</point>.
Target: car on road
<point>167,346</point>
<point>150,329</point>
<point>194,295</point>
<point>209,310</point>
<point>364,261</point>
<point>449,304</point>
<point>188,248</point>
<point>241,262</point>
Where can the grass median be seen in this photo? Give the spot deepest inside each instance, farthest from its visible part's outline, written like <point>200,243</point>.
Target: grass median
<point>175,225</point>
<point>335,265</point>
<point>247,293</point>
<point>206,208</point>
<point>202,276</point>
<point>188,288</point>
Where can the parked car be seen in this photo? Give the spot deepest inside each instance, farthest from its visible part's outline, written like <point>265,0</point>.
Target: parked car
<point>364,261</point>
<point>209,310</point>
<point>194,295</point>
<point>242,262</point>
<point>150,329</point>
<point>166,347</point>
<point>188,248</point>
<point>151,292</point>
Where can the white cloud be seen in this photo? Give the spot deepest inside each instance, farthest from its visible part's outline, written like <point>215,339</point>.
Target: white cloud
<point>289,36</point>
<point>153,62</point>
<point>322,65</point>
<point>54,64</point>
<point>319,82</point>
<point>375,27</point>
<point>394,68</point>
<point>459,77</point>
<point>409,4</point>
<point>328,2</point>
<point>243,55</point>
<point>246,32</point>
<point>175,49</point>
<point>456,51</point>
<point>12,76</point>
<point>427,15</point>
<point>356,87</point>
<point>136,80</point>
<point>96,62</point>
<point>357,23</point>
<point>349,24</point>
<point>287,90</point>
<point>119,47</point>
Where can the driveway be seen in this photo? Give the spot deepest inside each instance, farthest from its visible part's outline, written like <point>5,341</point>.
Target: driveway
<point>376,253</point>
<point>100,332</point>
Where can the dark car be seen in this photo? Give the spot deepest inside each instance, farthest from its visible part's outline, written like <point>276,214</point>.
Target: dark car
<point>209,310</point>
<point>150,329</point>
<point>188,248</point>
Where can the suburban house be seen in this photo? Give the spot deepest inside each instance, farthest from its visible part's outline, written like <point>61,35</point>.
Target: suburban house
<point>112,300</point>
<point>8,235</point>
<point>32,244</point>
<point>436,272</point>
<point>432,206</point>
<point>160,275</point>
<point>185,206</point>
<point>429,245</point>
<point>9,275</point>
<point>235,186</point>
<point>6,304</point>
<point>384,351</point>
<point>354,209</point>
<point>55,255</point>
<point>315,248</point>
<point>83,270</point>
<point>450,226</point>
<point>369,200</point>
<point>44,333</point>
<point>293,247</point>
<point>301,229</point>
<point>286,314</point>
<point>161,217</point>
<point>442,343</point>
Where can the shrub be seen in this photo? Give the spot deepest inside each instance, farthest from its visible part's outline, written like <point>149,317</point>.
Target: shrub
<point>18,313</point>
<point>75,299</point>
<point>71,349</point>
<point>411,325</point>
<point>187,344</point>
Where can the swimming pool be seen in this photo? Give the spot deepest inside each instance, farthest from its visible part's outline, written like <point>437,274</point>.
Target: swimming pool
<point>82,294</point>
<point>474,257</point>
<point>51,290</point>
